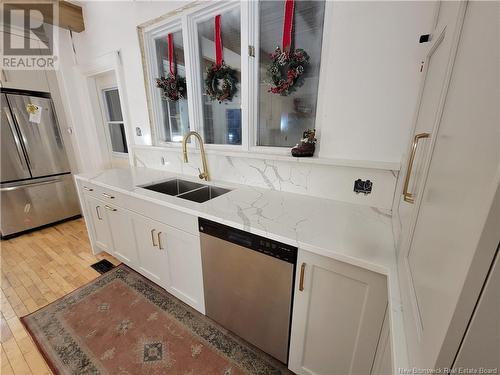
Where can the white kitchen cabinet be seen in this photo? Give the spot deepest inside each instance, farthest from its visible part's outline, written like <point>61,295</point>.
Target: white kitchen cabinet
<point>153,261</point>
<point>171,258</point>
<point>99,224</point>
<point>337,317</point>
<point>185,276</point>
<point>122,234</point>
<point>34,80</point>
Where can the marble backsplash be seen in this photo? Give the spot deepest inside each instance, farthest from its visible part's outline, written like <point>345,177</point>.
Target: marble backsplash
<point>320,180</point>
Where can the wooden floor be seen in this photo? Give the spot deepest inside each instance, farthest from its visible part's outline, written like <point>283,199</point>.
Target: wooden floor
<point>38,268</point>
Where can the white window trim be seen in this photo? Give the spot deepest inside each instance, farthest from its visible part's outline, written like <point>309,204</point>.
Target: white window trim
<point>187,21</point>
<point>107,122</point>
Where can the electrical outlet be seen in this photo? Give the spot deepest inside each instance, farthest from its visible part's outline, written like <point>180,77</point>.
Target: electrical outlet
<point>363,186</point>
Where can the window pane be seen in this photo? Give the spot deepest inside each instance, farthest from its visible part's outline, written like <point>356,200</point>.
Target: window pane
<point>113,109</point>
<point>118,140</point>
<point>282,119</point>
<point>175,118</point>
<point>222,121</point>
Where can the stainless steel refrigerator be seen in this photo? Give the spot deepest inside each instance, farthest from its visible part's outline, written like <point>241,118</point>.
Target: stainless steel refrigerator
<point>36,186</point>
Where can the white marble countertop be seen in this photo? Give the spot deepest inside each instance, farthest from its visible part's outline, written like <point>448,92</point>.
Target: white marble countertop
<point>356,234</point>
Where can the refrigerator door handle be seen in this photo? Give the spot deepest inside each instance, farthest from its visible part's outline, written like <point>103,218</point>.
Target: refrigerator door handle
<point>16,137</point>
<point>25,141</point>
<point>46,182</point>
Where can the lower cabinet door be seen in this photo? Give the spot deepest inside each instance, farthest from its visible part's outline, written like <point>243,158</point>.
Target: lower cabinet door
<point>337,317</point>
<point>122,234</point>
<point>185,278</point>
<point>99,224</point>
<point>153,262</point>
<point>171,258</point>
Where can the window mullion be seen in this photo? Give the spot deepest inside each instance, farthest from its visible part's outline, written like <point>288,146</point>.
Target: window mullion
<point>192,75</point>
<point>246,76</point>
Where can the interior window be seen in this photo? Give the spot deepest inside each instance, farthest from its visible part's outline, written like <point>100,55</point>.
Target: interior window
<point>221,121</point>
<point>115,120</point>
<point>175,118</point>
<point>282,119</point>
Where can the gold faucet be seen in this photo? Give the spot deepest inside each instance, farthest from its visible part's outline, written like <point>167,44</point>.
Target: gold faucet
<point>204,174</point>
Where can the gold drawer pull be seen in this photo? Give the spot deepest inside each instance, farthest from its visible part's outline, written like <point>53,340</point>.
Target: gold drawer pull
<point>159,241</point>
<point>98,214</point>
<point>87,188</point>
<point>301,281</point>
<point>153,236</point>
<point>107,196</point>
<point>408,197</point>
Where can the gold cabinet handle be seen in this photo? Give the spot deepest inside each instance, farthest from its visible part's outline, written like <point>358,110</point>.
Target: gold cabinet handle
<point>107,196</point>
<point>159,241</point>
<point>301,280</point>
<point>87,188</point>
<point>153,236</point>
<point>407,196</point>
<point>110,208</point>
<point>98,214</point>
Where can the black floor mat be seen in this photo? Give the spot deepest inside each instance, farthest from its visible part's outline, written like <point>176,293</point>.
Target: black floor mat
<point>103,266</point>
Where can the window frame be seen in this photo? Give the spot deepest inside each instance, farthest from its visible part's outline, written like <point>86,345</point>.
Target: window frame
<point>107,122</point>
<point>186,20</point>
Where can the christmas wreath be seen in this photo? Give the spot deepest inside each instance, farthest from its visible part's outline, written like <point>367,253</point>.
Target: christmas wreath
<point>220,82</point>
<point>173,87</point>
<point>286,71</point>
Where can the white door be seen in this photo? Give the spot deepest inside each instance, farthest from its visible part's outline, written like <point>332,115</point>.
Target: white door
<point>122,233</point>
<point>435,70</point>
<point>100,223</point>
<point>153,261</point>
<point>185,277</point>
<point>338,314</point>
<point>460,179</point>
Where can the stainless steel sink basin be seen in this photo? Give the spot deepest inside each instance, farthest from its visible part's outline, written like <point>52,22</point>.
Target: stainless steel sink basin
<point>189,190</point>
<point>174,187</point>
<point>204,194</point>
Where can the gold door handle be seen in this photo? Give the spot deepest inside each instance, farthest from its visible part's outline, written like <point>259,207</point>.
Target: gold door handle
<point>98,214</point>
<point>159,241</point>
<point>408,197</point>
<point>301,280</point>
<point>153,236</point>
<point>107,196</point>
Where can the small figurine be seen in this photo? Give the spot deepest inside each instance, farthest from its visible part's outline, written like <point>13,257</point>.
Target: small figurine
<point>307,144</point>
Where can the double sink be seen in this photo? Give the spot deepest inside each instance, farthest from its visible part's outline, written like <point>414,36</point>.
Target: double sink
<point>189,190</point>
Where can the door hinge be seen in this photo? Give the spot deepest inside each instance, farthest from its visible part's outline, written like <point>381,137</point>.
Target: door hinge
<point>251,51</point>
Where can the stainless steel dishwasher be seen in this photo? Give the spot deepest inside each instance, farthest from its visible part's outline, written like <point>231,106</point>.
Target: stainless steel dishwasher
<point>248,282</point>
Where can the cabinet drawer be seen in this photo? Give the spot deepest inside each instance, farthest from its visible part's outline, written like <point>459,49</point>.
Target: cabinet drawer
<point>106,195</point>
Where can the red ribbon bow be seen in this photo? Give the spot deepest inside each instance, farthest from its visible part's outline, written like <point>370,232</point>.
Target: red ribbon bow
<point>218,42</point>
<point>288,24</point>
<point>171,54</point>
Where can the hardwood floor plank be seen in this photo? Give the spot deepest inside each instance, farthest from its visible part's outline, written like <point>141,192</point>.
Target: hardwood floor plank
<point>36,269</point>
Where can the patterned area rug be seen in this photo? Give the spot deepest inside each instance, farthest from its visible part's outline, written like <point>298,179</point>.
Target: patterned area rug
<point>123,324</point>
